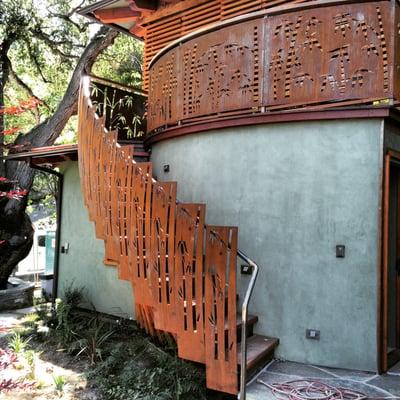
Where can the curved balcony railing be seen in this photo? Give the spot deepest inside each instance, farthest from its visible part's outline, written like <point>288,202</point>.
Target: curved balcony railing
<point>315,55</point>
<point>182,271</point>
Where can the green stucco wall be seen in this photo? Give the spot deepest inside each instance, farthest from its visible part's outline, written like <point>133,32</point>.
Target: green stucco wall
<point>295,191</point>
<point>83,264</point>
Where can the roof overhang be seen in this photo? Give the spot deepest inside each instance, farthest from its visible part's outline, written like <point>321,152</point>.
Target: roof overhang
<point>50,155</point>
<point>123,15</point>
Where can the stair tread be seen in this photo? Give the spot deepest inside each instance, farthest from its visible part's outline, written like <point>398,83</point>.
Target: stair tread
<point>258,348</point>
<point>251,320</point>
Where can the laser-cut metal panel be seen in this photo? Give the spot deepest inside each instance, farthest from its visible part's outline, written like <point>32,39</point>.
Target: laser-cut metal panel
<point>332,53</point>
<point>159,246</point>
<point>162,268</point>
<point>313,56</point>
<point>221,71</point>
<point>396,36</point>
<point>220,308</point>
<point>189,271</point>
<point>120,190</point>
<point>140,242</point>
<point>165,26</point>
<point>108,165</point>
<point>164,90</point>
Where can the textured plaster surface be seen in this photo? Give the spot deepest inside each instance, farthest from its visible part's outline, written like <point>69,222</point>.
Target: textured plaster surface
<point>83,264</point>
<point>295,191</point>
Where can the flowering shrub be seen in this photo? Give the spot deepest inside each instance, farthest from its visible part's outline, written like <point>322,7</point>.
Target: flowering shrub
<point>10,190</point>
<point>23,106</point>
<point>11,131</point>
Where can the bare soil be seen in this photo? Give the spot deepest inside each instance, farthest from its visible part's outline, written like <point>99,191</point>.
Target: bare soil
<point>49,363</point>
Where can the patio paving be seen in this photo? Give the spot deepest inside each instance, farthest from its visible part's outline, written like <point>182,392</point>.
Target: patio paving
<point>370,384</point>
<point>10,319</point>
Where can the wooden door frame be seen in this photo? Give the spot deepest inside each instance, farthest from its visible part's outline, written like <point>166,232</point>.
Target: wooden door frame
<point>390,155</point>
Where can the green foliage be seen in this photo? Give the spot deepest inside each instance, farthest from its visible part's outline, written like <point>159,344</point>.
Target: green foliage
<point>66,315</point>
<point>126,364</point>
<point>17,343</point>
<point>30,319</point>
<point>45,40</point>
<point>43,195</point>
<point>121,62</point>
<point>43,312</point>
<point>59,325</point>
<point>30,357</point>
<point>92,340</point>
<point>140,370</point>
<point>73,295</point>
<point>59,383</point>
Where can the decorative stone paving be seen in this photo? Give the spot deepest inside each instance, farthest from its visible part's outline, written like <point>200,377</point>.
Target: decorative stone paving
<point>374,386</point>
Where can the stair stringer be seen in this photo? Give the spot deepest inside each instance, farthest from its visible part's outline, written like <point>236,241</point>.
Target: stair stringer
<point>182,272</point>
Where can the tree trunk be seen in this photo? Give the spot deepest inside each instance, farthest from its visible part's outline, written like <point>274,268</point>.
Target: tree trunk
<point>4,73</point>
<point>16,230</point>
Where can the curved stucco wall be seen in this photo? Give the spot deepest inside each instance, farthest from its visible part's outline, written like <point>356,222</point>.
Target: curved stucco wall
<point>295,191</point>
<point>83,265</point>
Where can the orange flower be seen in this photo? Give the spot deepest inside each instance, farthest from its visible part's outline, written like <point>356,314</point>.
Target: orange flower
<point>11,131</point>
<point>24,105</point>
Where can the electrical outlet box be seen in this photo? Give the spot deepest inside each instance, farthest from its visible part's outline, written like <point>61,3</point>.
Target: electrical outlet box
<point>313,334</point>
<point>340,250</point>
<point>65,248</point>
<point>246,269</point>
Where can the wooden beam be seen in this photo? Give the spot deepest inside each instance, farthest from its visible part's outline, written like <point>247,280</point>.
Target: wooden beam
<point>115,15</point>
<point>148,5</point>
<point>138,29</point>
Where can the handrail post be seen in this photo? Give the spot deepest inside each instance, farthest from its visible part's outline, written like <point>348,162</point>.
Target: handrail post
<point>243,343</point>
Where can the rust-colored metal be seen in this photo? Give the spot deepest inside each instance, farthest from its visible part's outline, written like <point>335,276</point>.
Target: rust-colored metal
<point>158,246</point>
<point>331,54</point>
<point>273,118</point>
<point>162,255</point>
<point>220,308</point>
<point>168,24</point>
<point>385,266</point>
<point>189,274</point>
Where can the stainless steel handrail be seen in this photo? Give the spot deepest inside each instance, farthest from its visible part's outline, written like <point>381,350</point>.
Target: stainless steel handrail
<point>245,306</point>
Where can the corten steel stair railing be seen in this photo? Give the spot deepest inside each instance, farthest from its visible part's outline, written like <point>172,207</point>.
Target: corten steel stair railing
<point>183,272</point>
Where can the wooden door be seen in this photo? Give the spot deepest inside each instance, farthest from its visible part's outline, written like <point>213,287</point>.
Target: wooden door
<point>390,301</point>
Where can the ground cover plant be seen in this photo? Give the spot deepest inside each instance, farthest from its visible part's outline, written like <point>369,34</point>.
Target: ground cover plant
<point>117,359</point>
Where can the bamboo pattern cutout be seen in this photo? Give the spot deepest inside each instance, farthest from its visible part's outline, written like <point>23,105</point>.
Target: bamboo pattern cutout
<point>159,246</point>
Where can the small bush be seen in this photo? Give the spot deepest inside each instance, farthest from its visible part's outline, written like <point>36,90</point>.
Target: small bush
<point>17,343</point>
<point>59,383</point>
<point>30,357</point>
<point>126,364</point>
<point>91,341</point>
<point>141,370</point>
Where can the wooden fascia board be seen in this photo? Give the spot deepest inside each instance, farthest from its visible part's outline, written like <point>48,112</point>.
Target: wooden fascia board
<point>173,9</point>
<point>115,15</point>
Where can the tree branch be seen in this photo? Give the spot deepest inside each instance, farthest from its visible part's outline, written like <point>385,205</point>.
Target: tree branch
<point>22,84</point>
<point>47,132</point>
<point>35,62</point>
<point>54,45</point>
